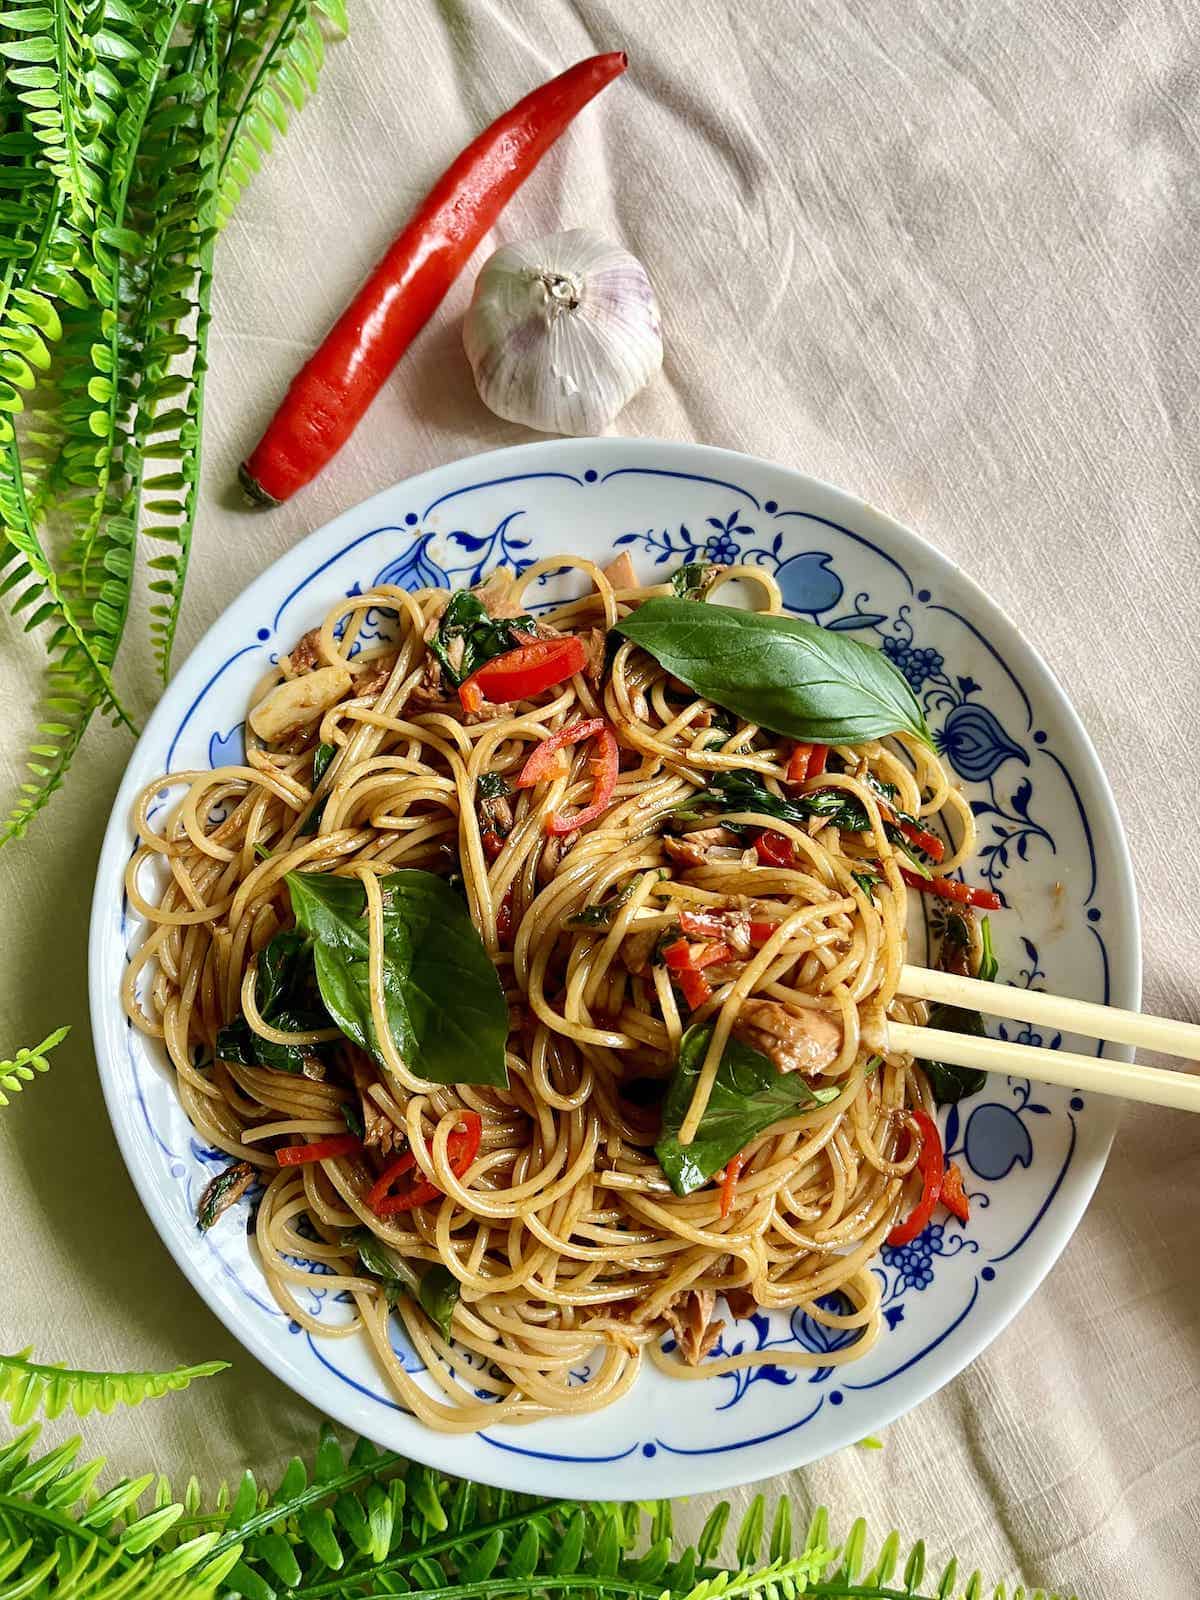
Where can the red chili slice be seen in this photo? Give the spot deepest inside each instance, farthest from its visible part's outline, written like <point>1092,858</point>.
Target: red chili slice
<point>461,1147</point>
<point>933,847</point>
<point>964,894</point>
<point>954,1196</point>
<point>816,762</point>
<point>541,764</point>
<point>504,918</point>
<point>774,849</point>
<point>492,844</point>
<point>521,673</point>
<point>338,1144</point>
<point>703,924</point>
<point>930,1164</point>
<point>729,1183</point>
<point>684,957</point>
<point>694,985</point>
<point>797,767</point>
<point>606,766</point>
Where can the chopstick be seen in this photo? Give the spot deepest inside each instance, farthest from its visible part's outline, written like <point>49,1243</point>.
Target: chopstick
<point>1129,1080</point>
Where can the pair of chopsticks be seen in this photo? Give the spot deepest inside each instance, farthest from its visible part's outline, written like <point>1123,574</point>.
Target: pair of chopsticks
<point>1130,1080</point>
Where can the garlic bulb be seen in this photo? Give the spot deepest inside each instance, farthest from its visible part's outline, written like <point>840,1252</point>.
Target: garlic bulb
<point>562,332</point>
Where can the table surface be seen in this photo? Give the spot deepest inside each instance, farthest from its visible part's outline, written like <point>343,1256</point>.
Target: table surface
<point>947,257</point>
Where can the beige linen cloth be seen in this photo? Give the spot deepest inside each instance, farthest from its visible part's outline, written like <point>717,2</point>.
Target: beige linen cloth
<point>942,253</point>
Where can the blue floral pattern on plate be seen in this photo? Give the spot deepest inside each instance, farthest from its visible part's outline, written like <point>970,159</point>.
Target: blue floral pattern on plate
<point>1006,734</point>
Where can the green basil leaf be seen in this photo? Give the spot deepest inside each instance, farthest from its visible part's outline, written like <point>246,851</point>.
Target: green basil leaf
<point>866,881</point>
<point>482,636</point>
<point>287,998</point>
<point>435,1289</point>
<point>951,1084</point>
<point>739,791</point>
<point>445,1006</point>
<point>693,579</point>
<point>491,786</point>
<point>223,1190</point>
<point>748,1095</point>
<point>438,1294</point>
<point>322,757</point>
<point>787,675</point>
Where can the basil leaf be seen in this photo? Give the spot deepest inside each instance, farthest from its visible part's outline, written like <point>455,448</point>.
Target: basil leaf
<point>226,1188</point>
<point>465,618</point>
<point>435,1290</point>
<point>601,915</point>
<point>787,675</point>
<point>951,1084</point>
<point>738,791</point>
<point>445,1007</point>
<point>491,786</point>
<point>748,1095</point>
<point>286,995</point>
<point>323,755</point>
<point>693,579</point>
<point>438,1294</point>
<point>866,881</point>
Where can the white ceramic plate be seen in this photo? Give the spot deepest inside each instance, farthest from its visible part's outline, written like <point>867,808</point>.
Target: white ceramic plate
<point>1050,841</point>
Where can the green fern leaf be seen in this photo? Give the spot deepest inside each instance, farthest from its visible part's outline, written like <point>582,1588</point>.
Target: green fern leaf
<point>27,1062</point>
<point>29,1388</point>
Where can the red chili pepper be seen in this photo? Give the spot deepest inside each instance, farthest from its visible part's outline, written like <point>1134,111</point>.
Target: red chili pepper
<point>338,1144</point>
<point>461,1147</point>
<point>797,767</point>
<point>606,766</point>
<point>541,764</point>
<point>954,1196</point>
<point>492,844</point>
<point>729,1183</point>
<point>951,889</point>
<point>933,847</point>
<point>336,385</point>
<point>521,673</point>
<point>694,985</point>
<point>684,957</point>
<point>816,762</point>
<point>774,849</point>
<point>760,932</point>
<point>930,1166</point>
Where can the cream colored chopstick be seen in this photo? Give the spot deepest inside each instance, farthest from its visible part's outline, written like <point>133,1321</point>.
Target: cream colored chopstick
<point>1054,1011</point>
<point>1128,1080</point>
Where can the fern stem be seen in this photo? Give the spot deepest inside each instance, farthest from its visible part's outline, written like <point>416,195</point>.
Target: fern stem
<point>66,77</point>
<point>30,1510</point>
<point>263,70</point>
<point>452,1541</point>
<point>314,1493</point>
<point>29,545</point>
<point>494,1588</point>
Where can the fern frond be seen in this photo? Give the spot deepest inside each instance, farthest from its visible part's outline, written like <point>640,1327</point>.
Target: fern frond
<point>53,60</point>
<point>28,1061</point>
<point>284,77</point>
<point>29,1388</point>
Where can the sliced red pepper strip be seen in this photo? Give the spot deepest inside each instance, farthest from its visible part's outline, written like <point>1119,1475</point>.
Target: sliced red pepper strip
<point>797,767</point>
<point>492,844</point>
<point>336,385</point>
<point>954,1196</point>
<point>684,957</point>
<point>541,764</point>
<point>461,1147</point>
<point>930,1164</point>
<point>606,767</point>
<point>729,1183</point>
<point>703,924</point>
<point>933,847</point>
<point>694,985</point>
<point>338,1144</point>
<point>504,917</point>
<point>774,849</point>
<point>950,889</point>
<point>521,673</point>
<point>760,932</point>
<point>816,762</point>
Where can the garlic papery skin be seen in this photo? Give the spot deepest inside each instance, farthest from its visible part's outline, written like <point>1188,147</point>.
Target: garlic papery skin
<point>562,332</point>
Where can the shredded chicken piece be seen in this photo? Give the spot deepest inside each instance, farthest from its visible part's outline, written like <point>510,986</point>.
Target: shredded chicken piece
<point>805,1041</point>
<point>554,849</point>
<point>741,1303</point>
<point>375,674</point>
<point>593,642</point>
<point>298,703</point>
<point>306,653</point>
<point>636,950</point>
<point>379,1131</point>
<point>689,1317</point>
<point>495,594</point>
<point>706,845</point>
<point>620,573</point>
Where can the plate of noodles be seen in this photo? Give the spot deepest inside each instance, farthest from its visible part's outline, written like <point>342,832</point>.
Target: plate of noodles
<point>494,945</point>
